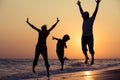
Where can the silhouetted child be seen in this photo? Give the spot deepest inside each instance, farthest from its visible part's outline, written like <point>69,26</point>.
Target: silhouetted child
<point>41,47</point>
<point>87,31</point>
<point>61,44</point>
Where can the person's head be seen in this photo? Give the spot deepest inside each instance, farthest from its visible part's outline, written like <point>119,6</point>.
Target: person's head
<point>44,28</point>
<point>66,37</point>
<point>86,15</point>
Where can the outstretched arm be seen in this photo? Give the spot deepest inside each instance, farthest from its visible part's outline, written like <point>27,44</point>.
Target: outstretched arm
<point>54,38</point>
<point>96,9</point>
<point>80,8</point>
<point>53,26</point>
<point>31,25</point>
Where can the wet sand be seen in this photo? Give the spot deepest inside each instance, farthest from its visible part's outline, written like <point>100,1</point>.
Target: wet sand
<point>105,74</point>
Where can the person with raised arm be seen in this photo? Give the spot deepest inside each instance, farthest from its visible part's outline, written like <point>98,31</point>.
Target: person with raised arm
<point>87,31</point>
<point>61,44</point>
<point>41,47</point>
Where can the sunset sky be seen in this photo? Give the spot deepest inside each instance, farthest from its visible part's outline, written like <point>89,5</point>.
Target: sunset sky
<point>18,39</point>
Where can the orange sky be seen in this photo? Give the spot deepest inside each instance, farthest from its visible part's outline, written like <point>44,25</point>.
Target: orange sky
<point>18,40</point>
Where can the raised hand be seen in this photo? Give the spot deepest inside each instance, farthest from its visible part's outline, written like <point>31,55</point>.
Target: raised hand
<point>97,1</point>
<point>78,3</point>
<point>27,20</point>
<point>58,20</point>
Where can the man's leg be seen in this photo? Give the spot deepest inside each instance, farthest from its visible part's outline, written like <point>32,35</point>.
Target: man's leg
<point>90,45</point>
<point>84,49</point>
<point>92,59</point>
<point>86,57</point>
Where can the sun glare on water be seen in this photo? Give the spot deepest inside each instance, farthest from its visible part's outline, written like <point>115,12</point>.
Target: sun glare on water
<point>88,75</point>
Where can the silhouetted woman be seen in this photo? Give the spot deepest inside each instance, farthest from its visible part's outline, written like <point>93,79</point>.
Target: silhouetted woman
<point>41,47</point>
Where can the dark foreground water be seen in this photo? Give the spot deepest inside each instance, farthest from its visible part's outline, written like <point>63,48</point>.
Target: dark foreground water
<point>17,69</point>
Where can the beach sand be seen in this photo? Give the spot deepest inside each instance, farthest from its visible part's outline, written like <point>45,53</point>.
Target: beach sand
<point>104,74</point>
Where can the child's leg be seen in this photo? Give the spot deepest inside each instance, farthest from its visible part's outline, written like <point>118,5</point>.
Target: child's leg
<point>61,58</point>
<point>62,64</point>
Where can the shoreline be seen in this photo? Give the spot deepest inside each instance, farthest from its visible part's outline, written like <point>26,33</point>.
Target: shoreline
<point>111,73</point>
<point>20,69</point>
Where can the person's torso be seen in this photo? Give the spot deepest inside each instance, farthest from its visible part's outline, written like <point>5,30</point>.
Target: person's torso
<point>42,36</point>
<point>87,27</point>
<point>60,45</point>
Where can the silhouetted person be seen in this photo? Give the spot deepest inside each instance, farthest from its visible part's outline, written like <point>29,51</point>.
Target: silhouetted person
<point>87,31</point>
<point>61,44</point>
<point>41,47</point>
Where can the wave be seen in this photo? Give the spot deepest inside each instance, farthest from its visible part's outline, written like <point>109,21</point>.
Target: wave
<point>16,69</point>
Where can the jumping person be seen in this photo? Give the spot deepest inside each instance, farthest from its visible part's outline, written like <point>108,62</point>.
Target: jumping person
<point>61,44</point>
<point>87,31</point>
<point>41,47</point>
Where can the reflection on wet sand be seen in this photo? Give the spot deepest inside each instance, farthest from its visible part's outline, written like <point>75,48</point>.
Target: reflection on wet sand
<point>88,75</point>
<point>106,74</point>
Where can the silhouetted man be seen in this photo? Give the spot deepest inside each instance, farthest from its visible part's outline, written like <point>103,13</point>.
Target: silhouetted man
<point>87,31</point>
<point>41,47</point>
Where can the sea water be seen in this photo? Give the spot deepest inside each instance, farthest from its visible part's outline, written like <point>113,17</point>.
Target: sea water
<point>20,69</point>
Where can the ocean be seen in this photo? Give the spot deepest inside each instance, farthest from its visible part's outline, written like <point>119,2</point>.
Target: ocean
<point>20,69</point>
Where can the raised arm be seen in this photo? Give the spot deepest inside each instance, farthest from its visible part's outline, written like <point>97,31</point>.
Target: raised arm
<point>53,26</point>
<point>32,25</point>
<point>96,9</point>
<point>54,38</point>
<point>80,8</point>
